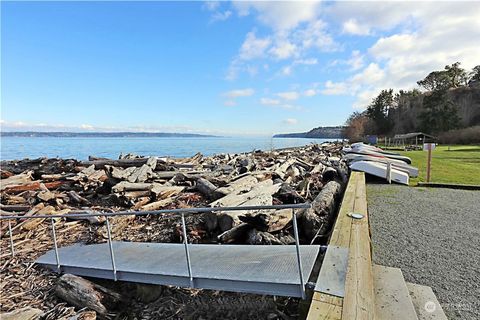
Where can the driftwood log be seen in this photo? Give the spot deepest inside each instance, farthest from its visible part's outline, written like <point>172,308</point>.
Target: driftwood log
<point>85,294</point>
<point>316,220</point>
<point>26,313</point>
<point>208,189</point>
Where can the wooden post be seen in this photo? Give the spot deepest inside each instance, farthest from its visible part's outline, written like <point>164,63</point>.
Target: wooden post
<point>429,160</point>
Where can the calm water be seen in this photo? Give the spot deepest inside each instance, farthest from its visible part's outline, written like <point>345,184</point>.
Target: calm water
<point>81,148</point>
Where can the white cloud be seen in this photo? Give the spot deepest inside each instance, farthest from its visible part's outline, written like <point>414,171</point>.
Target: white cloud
<point>315,35</point>
<point>270,101</point>
<point>253,47</point>
<point>211,5</point>
<point>239,93</point>
<point>295,30</point>
<point>372,74</point>
<point>221,16</point>
<point>352,27</point>
<point>310,92</point>
<point>280,15</point>
<point>356,61</point>
<point>290,121</point>
<point>283,50</point>
<point>310,61</point>
<point>87,127</point>
<point>287,70</point>
<point>288,95</point>
<point>335,88</point>
<point>432,35</point>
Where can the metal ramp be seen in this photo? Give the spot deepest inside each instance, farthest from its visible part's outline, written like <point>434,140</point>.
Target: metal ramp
<point>262,269</point>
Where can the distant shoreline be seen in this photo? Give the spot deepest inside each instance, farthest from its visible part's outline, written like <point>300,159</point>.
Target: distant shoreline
<point>37,134</point>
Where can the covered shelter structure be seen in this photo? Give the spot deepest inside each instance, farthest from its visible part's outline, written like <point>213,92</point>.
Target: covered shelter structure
<point>412,139</point>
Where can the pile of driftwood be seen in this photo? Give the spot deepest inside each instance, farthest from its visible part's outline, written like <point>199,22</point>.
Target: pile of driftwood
<point>314,173</point>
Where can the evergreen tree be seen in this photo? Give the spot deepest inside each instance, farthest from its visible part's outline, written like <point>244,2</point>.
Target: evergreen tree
<point>439,113</point>
<point>378,110</point>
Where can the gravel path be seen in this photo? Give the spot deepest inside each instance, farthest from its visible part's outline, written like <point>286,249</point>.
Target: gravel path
<point>433,235</point>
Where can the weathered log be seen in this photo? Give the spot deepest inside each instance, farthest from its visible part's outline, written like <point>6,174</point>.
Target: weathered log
<point>17,180</point>
<point>162,192</point>
<point>13,199</point>
<point>14,207</point>
<point>261,194</point>
<point>329,174</point>
<point>211,220</point>
<point>208,189</point>
<point>125,163</point>
<point>31,224</point>
<point>36,185</point>
<point>93,219</point>
<point>46,195</point>
<point>235,234</point>
<point>132,195</point>
<point>157,204</point>
<point>320,215</point>
<point>85,315</point>
<point>238,186</point>
<point>129,186</point>
<point>319,167</point>
<point>120,174</point>
<point>281,171</point>
<point>75,197</point>
<point>56,176</point>
<point>287,194</point>
<point>82,293</point>
<point>261,237</point>
<point>269,220</point>
<point>144,172</point>
<point>4,174</point>
<point>140,202</point>
<point>26,313</point>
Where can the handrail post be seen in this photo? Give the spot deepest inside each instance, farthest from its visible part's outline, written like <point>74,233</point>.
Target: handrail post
<point>187,252</point>
<point>112,256</point>
<point>11,238</point>
<point>299,261</point>
<point>54,235</point>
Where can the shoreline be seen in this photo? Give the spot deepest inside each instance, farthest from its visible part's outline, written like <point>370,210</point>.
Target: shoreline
<point>61,187</point>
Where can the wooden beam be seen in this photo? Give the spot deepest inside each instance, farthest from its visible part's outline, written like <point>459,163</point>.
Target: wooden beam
<point>325,306</point>
<point>359,294</point>
<point>358,302</point>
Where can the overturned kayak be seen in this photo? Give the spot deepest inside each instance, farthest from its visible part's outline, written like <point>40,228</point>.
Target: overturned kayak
<point>371,152</point>
<point>398,164</point>
<point>381,170</point>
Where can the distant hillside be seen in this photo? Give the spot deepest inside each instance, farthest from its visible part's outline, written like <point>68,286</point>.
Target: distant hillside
<point>316,133</point>
<point>103,134</point>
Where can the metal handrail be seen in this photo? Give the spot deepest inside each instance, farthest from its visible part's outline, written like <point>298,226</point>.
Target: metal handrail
<point>153,212</point>
<point>182,212</point>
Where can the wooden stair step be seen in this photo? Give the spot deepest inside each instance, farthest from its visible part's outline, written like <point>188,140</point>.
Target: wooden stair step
<point>392,298</point>
<point>425,302</point>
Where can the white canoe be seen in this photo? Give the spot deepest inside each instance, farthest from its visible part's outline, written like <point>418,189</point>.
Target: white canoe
<point>401,165</point>
<point>380,170</point>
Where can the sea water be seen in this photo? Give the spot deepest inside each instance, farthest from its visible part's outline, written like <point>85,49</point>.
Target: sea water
<point>81,147</point>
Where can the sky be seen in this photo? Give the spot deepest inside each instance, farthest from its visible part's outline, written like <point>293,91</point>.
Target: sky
<point>238,68</point>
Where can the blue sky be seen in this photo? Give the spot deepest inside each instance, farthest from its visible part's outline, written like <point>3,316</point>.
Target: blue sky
<point>218,67</point>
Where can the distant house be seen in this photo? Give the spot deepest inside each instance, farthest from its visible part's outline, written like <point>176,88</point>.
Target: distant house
<point>414,138</point>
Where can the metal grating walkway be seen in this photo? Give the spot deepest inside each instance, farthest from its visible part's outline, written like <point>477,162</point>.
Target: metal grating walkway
<point>239,268</point>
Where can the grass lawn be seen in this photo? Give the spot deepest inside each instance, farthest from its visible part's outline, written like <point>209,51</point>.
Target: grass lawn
<point>454,164</point>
